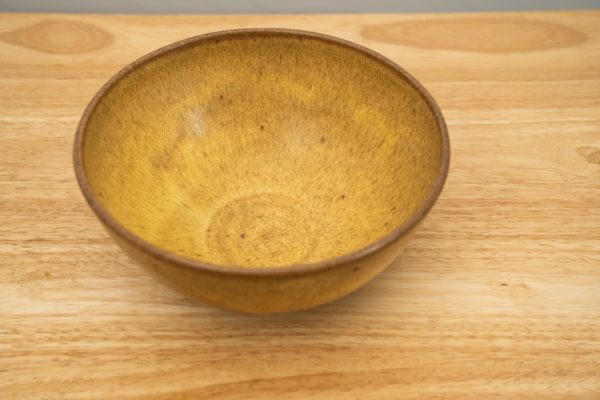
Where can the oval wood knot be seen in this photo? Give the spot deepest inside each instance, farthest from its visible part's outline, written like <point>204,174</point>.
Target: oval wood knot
<point>487,35</point>
<point>60,36</point>
<point>591,154</point>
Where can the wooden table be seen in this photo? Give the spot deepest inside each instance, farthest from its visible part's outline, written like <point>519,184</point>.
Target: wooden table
<point>498,296</point>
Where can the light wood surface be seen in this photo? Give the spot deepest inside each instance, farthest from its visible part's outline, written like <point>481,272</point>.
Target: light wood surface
<point>497,297</point>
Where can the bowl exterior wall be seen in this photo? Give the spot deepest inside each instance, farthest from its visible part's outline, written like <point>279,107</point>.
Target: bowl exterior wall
<point>269,292</point>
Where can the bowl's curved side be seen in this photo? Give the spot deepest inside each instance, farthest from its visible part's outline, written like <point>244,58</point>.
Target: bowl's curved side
<point>266,294</point>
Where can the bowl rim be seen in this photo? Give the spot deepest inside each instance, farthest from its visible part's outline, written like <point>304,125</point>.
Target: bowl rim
<point>293,269</point>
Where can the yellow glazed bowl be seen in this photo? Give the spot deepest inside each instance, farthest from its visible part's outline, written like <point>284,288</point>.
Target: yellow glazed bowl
<point>262,170</point>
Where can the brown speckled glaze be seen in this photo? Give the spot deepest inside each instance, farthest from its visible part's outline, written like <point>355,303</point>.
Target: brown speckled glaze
<point>262,170</point>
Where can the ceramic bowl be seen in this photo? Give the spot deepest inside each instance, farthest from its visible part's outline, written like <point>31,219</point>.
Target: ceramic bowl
<point>262,170</point>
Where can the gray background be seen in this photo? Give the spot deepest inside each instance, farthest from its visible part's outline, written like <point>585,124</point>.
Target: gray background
<point>286,6</point>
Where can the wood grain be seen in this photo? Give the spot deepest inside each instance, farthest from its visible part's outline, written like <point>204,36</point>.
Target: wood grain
<point>497,297</point>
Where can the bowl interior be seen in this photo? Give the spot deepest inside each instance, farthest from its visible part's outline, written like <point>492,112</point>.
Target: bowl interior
<point>261,149</point>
